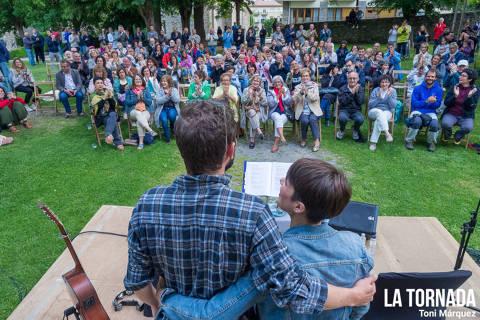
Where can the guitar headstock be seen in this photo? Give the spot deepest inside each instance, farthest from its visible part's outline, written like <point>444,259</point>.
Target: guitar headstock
<point>46,211</point>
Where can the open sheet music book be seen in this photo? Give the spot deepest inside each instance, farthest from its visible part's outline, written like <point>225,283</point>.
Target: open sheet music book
<point>263,178</point>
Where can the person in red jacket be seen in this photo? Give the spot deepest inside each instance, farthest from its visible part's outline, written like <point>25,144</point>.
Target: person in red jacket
<point>166,57</point>
<point>438,31</point>
<point>12,111</point>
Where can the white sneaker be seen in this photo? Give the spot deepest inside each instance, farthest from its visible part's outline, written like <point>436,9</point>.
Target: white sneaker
<point>389,138</point>
<point>33,107</point>
<point>28,108</point>
<point>339,135</point>
<point>373,147</point>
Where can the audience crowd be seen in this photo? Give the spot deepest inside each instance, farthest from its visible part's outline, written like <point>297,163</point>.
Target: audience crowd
<point>301,75</point>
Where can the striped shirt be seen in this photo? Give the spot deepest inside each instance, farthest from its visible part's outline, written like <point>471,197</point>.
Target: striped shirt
<point>201,236</point>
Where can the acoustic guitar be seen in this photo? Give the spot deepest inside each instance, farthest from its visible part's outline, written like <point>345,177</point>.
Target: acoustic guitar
<point>81,290</point>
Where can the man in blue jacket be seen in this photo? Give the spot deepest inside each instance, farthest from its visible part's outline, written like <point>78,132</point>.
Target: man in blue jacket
<point>426,98</point>
<point>290,34</point>
<point>38,44</point>
<point>453,56</point>
<point>4,57</point>
<point>228,38</point>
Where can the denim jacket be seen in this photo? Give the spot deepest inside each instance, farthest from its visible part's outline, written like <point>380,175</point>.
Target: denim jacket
<point>338,257</point>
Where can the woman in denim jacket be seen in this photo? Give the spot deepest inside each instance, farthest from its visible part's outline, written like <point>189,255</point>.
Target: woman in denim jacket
<point>339,257</point>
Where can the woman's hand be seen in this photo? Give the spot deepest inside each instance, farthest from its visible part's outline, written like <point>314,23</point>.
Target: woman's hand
<point>456,91</point>
<point>472,92</point>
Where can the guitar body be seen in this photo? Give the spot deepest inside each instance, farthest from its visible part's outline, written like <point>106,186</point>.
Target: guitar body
<point>84,294</point>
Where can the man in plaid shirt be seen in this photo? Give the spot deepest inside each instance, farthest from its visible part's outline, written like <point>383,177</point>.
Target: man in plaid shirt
<point>201,236</point>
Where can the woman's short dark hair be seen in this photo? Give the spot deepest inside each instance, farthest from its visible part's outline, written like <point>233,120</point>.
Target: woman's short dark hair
<point>320,186</point>
<point>200,74</point>
<point>203,133</point>
<point>472,75</point>
<point>103,60</point>
<point>385,77</point>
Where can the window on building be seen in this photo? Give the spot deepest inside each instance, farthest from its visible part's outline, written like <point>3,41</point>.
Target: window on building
<point>304,15</point>
<point>334,14</point>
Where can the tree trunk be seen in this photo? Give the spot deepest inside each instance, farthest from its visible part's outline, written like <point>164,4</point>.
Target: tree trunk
<point>461,18</point>
<point>455,16</point>
<point>185,9</point>
<point>198,22</point>
<point>238,10</point>
<point>151,15</point>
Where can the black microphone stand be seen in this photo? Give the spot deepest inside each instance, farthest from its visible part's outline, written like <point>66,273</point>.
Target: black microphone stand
<point>467,230</point>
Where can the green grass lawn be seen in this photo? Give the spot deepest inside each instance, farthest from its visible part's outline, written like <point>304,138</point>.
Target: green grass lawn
<point>55,163</point>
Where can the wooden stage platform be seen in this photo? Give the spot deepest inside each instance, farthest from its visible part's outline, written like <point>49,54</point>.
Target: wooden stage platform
<point>403,245</point>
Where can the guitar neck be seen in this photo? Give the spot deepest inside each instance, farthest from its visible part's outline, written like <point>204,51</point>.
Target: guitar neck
<point>78,265</point>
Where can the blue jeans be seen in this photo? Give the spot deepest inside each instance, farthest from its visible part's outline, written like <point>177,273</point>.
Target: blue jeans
<point>111,128</point>
<point>228,304</point>
<point>213,50</point>
<point>31,56</point>
<point>79,100</point>
<point>312,121</point>
<point>325,105</point>
<point>168,113</point>
<point>5,72</point>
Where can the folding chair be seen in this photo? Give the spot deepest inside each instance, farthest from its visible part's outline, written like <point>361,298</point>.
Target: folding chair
<point>183,92</point>
<point>396,73</point>
<point>465,139</point>
<point>56,68</point>
<point>391,123</point>
<point>402,88</point>
<point>336,120</point>
<point>38,95</point>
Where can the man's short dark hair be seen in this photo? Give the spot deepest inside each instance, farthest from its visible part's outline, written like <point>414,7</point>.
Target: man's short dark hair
<point>203,132</point>
<point>432,71</point>
<point>320,186</point>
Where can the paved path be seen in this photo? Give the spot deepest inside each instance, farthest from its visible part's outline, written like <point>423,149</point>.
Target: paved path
<point>289,152</point>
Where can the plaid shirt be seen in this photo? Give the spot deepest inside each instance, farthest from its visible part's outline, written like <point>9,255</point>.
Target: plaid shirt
<point>201,236</point>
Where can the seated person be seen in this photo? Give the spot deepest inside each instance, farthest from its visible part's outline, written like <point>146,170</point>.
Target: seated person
<point>103,106</point>
<point>294,77</point>
<point>381,107</point>
<point>349,68</point>
<point>414,78</point>
<point>312,191</point>
<point>79,65</point>
<point>199,88</point>
<point>227,93</point>
<point>384,69</point>
<point>12,111</point>
<point>69,83</point>
<point>279,67</point>
<point>423,57</point>
<point>120,86</point>
<point>306,103</point>
<point>101,61</point>
<point>350,100</point>
<point>99,72</point>
<point>330,86</point>
<point>452,77</point>
<point>453,56</point>
<point>279,102</point>
<point>439,68</point>
<point>254,101</point>
<point>426,98</point>
<point>460,102</point>
<point>394,59</point>
<point>168,100</point>
<point>139,107</point>
<point>22,81</point>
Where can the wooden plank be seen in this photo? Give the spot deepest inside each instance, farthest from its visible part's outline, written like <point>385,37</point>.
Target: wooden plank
<point>404,244</point>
